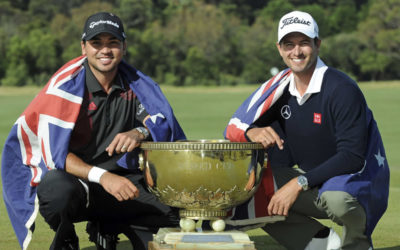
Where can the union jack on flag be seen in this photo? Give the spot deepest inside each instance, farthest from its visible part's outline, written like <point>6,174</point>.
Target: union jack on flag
<point>253,213</point>
<point>39,139</point>
<point>256,105</point>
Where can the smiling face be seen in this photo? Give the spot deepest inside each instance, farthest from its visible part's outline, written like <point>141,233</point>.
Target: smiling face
<point>104,52</point>
<point>299,52</point>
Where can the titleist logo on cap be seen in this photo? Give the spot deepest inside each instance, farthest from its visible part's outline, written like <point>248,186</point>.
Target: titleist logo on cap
<point>292,20</point>
<point>93,24</point>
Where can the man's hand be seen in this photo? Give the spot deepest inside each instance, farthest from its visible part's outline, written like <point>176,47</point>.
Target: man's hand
<point>125,142</point>
<point>119,187</point>
<point>284,198</point>
<point>266,136</point>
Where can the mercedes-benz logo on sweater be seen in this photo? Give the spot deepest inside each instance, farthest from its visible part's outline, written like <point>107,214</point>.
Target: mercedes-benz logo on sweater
<point>285,112</point>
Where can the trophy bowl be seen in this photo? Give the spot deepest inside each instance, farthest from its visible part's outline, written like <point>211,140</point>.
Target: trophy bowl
<point>204,178</point>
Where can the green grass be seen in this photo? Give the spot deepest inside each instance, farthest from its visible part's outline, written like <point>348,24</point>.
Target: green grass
<point>203,113</point>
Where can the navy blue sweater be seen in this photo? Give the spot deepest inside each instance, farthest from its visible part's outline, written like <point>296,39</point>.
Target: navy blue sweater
<point>327,135</point>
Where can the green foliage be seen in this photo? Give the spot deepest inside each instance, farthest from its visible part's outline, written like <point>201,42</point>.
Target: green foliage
<point>3,62</point>
<point>259,50</point>
<point>17,56</point>
<point>373,62</point>
<point>343,18</point>
<point>199,42</point>
<point>380,32</point>
<point>45,9</point>
<point>20,4</point>
<point>197,67</point>
<point>32,54</point>
<point>15,75</point>
<point>137,13</point>
<point>276,9</point>
<point>43,51</point>
<point>10,19</point>
<point>244,9</point>
<point>343,52</point>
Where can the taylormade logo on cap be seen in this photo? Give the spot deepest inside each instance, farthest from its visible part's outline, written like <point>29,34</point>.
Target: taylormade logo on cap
<point>93,24</point>
<point>297,21</point>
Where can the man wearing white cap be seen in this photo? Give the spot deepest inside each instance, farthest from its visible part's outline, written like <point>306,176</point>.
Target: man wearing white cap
<point>333,140</point>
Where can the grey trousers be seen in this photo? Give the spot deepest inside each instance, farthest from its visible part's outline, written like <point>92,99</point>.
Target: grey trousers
<point>301,225</point>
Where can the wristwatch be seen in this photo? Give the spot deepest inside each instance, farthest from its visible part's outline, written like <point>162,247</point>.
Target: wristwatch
<point>303,182</point>
<point>143,131</point>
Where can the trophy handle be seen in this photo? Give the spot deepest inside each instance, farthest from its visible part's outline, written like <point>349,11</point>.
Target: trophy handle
<point>144,167</point>
<point>251,181</point>
<point>141,160</point>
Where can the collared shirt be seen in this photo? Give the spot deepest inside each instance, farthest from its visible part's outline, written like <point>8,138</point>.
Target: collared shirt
<point>313,87</point>
<point>102,117</point>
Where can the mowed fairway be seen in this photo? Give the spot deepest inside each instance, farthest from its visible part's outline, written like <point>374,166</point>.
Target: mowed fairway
<point>203,113</point>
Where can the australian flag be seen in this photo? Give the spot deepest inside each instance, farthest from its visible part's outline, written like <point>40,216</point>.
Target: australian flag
<point>38,141</point>
<point>370,186</point>
<point>253,213</point>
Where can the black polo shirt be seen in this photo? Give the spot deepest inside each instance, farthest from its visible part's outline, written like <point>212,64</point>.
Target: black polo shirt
<point>102,117</point>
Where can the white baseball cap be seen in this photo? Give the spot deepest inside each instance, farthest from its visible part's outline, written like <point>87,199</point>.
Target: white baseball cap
<point>297,21</point>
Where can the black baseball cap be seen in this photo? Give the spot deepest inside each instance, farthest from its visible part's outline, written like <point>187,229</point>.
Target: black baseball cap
<point>103,22</point>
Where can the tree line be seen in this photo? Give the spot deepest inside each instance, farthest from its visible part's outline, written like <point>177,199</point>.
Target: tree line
<point>199,42</point>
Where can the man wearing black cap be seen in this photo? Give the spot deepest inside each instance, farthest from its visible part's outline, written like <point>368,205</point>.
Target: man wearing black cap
<point>110,125</point>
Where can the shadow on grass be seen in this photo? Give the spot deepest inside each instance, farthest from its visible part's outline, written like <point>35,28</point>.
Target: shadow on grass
<point>122,245</point>
<point>265,242</point>
<point>260,242</point>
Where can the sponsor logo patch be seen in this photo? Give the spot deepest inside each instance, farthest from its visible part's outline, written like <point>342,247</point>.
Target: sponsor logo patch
<point>92,106</point>
<point>94,24</point>
<point>294,20</point>
<point>317,118</point>
<point>286,112</point>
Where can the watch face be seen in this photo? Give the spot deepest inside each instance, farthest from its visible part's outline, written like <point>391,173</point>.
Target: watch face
<point>303,182</point>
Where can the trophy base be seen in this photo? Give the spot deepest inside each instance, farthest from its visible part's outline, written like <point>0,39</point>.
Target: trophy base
<point>173,238</point>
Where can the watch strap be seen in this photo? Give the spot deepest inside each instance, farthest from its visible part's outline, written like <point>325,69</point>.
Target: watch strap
<point>143,131</point>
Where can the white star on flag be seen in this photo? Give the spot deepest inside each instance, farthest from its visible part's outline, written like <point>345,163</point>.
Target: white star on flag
<point>380,159</point>
<point>154,117</point>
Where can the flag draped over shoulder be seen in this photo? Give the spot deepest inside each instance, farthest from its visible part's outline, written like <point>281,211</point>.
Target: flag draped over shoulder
<point>256,105</point>
<point>370,186</point>
<point>254,211</point>
<point>39,139</point>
